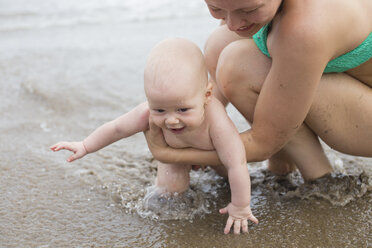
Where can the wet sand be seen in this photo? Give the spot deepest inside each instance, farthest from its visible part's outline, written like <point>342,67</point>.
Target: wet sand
<point>60,83</point>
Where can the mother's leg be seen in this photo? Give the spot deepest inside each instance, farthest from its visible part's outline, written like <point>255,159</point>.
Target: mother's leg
<point>281,162</point>
<point>241,72</point>
<point>216,42</point>
<point>341,114</point>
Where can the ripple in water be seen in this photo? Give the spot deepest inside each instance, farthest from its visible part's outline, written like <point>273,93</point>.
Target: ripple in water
<point>197,201</point>
<point>175,206</point>
<point>337,188</point>
<point>133,190</point>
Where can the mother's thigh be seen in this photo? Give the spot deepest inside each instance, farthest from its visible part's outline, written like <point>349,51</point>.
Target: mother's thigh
<point>241,72</point>
<point>216,42</point>
<point>341,114</point>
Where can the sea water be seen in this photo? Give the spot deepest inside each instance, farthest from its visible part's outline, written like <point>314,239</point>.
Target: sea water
<point>67,67</point>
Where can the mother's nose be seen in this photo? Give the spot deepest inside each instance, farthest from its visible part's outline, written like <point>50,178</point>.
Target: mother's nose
<point>233,21</point>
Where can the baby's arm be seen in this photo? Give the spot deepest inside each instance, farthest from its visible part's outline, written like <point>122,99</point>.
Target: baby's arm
<point>124,126</point>
<point>231,151</point>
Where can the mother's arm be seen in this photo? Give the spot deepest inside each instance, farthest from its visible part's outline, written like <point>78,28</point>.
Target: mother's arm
<point>166,154</point>
<point>298,62</point>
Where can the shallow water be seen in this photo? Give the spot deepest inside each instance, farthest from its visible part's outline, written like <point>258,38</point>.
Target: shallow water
<point>60,80</point>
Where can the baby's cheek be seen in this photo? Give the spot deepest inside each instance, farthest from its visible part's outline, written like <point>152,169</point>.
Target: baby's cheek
<point>157,120</point>
<point>196,121</point>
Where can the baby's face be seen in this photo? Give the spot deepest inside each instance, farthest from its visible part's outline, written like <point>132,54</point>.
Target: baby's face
<point>178,109</point>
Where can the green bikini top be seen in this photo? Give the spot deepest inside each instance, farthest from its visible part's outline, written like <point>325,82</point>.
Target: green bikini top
<point>349,60</point>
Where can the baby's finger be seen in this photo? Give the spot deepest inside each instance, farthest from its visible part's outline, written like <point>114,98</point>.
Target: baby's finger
<point>73,157</point>
<point>229,223</point>
<point>223,210</point>
<point>253,219</point>
<point>62,145</point>
<point>55,147</point>
<point>70,159</point>
<point>237,225</point>
<point>244,226</point>
<point>68,146</point>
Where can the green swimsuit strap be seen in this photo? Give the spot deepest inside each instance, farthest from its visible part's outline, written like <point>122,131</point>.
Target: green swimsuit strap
<point>352,59</point>
<point>347,61</point>
<point>260,38</point>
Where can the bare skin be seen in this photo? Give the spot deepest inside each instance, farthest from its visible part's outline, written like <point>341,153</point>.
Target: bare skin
<point>287,98</point>
<point>180,103</point>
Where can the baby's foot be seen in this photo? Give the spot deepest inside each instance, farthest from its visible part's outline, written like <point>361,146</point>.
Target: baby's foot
<point>170,205</point>
<point>156,202</point>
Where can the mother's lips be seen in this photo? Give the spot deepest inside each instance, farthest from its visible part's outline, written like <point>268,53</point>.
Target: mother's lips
<point>245,28</point>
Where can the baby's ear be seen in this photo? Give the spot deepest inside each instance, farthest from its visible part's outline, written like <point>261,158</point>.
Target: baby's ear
<point>208,93</point>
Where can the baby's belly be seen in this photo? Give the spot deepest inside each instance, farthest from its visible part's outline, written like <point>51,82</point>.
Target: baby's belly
<point>200,142</point>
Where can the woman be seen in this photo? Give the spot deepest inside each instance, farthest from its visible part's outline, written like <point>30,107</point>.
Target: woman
<point>306,73</point>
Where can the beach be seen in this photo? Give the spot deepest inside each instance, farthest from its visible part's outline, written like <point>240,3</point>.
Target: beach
<point>67,70</point>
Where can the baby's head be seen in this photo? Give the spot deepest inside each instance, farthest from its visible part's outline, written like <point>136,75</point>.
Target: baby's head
<point>176,85</point>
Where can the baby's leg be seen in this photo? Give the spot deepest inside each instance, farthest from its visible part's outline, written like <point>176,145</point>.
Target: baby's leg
<point>173,178</point>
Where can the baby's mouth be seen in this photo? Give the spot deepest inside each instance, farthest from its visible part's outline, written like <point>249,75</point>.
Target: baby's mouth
<point>177,130</point>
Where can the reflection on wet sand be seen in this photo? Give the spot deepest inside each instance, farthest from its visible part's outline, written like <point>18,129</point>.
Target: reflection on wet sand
<point>61,82</point>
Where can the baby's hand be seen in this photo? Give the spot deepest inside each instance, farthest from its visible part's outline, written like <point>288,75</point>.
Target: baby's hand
<point>77,148</point>
<point>238,216</point>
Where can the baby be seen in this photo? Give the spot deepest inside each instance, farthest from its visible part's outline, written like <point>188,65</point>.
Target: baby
<point>180,102</point>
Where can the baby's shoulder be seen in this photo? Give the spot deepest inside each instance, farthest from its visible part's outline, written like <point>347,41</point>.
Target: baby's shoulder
<point>216,114</point>
<point>215,108</point>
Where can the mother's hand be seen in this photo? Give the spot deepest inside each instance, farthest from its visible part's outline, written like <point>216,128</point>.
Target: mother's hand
<point>166,154</point>
<point>156,142</point>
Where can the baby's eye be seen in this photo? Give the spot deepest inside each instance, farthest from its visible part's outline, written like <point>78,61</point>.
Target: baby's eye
<point>159,110</point>
<point>183,109</point>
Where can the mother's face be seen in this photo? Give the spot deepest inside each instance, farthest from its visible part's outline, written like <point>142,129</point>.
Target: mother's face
<point>245,17</point>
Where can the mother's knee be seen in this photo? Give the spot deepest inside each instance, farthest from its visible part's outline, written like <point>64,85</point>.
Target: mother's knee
<point>241,64</point>
<point>216,42</point>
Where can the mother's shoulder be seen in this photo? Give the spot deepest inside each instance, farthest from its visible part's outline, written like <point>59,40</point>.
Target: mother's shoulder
<point>324,25</point>
<point>325,16</point>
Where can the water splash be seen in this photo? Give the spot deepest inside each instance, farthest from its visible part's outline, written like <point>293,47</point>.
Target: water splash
<point>175,206</point>
<point>129,182</point>
<point>337,188</point>
<point>197,201</point>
